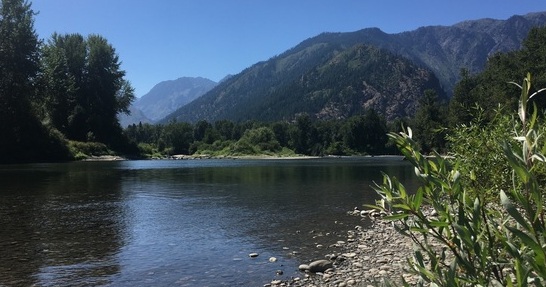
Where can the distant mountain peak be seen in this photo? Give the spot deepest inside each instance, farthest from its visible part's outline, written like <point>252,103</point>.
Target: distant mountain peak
<point>167,96</point>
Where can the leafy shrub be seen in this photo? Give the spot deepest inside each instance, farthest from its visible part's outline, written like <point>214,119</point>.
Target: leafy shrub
<point>479,151</point>
<point>82,150</point>
<point>462,239</point>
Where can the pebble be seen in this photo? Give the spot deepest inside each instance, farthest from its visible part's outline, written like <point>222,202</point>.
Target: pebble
<point>367,256</point>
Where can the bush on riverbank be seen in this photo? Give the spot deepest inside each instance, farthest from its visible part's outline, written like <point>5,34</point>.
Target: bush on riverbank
<point>84,150</point>
<point>482,243</point>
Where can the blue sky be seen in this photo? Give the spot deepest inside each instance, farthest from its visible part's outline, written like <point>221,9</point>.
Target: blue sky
<point>160,40</point>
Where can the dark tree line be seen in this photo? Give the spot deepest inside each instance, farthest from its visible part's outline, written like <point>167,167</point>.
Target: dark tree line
<point>70,88</point>
<point>364,134</point>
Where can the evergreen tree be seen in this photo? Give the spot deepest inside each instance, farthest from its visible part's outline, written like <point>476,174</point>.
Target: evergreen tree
<point>490,89</point>
<point>301,135</point>
<point>429,122</point>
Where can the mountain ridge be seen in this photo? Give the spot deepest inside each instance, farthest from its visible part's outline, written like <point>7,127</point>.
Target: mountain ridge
<point>164,98</point>
<point>444,50</point>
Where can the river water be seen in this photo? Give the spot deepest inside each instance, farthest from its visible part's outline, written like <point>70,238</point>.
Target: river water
<point>178,223</point>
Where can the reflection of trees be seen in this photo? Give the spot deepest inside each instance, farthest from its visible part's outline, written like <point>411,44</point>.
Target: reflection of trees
<point>279,202</point>
<point>60,224</point>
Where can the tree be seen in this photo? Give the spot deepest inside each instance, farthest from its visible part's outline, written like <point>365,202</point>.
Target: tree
<point>58,87</point>
<point>263,138</point>
<point>200,130</point>
<point>24,137</point>
<point>488,89</point>
<point>365,134</point>
<point>178,137</point>
<point>429,122</point>
<point>225,129</point>
<point>301,134</point>
<point>463,101</point>
<point>85,88</point>
<point>107,92</point>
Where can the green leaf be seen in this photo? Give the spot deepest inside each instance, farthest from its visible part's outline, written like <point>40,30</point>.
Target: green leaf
<point>521,274</point>
<point>418,199</point>
<point>402,206</point>
<point>529,241</point>
<point>512,210</point>
<point>439,224</point>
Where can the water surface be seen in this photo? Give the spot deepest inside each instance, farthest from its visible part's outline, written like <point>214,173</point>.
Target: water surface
<point>178,223</point>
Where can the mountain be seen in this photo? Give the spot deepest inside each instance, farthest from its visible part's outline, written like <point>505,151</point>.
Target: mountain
<point>167,96</point>
<point>336,75</point>
<point>136,116</point>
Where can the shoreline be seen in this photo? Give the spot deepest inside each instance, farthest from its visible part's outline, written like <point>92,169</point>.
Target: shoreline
<point>273,157</point>
<point>369,256</point>
<point>235,157</point>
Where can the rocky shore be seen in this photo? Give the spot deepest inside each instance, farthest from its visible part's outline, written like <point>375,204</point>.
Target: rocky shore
<point>369,256</point>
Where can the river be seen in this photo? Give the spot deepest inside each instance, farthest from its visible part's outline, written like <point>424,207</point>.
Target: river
<point>178,223</point>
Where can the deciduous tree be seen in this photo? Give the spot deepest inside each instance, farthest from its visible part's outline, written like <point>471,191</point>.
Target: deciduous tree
<point>24,138</point>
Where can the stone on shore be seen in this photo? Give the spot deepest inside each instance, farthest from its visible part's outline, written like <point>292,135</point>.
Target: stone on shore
<point>370,255</point>
<point>320,265</point>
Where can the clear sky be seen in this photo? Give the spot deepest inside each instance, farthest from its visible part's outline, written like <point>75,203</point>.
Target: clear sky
<point>160,40</point>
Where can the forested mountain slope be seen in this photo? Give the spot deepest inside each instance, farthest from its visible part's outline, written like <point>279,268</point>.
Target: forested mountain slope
<point>302,79</point>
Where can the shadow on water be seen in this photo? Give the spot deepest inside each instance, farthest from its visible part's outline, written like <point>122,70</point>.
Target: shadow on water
<point>61,225</point>
<point>181,223</point>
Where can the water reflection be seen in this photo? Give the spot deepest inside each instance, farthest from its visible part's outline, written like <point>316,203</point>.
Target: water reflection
<point>183,223</point>
<point>62,225</point>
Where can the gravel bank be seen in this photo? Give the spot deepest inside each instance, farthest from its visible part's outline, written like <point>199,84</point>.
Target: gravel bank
<point>369,255</point>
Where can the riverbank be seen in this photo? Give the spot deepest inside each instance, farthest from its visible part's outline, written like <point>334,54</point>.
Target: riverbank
<point>204,156</point>
<point>369,256</point>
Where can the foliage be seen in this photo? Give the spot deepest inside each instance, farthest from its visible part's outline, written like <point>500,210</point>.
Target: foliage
<point>479,151</point>
<point>263,138</point>
<point>81,150</point>
<point>149,151</point>
<point>83,88</point>
<point>72,88</point>
<point>429,122</point>
<point>25,138</point>
<point>488,89</point>
<point>304,136</point>
<point>466,241</point>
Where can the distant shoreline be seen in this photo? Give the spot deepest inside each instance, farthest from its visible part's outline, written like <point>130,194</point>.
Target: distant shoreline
<point>244,157</point>
<point>275,157</point>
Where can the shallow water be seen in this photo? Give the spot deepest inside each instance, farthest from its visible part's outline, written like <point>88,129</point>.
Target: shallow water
<point>178,223</point>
